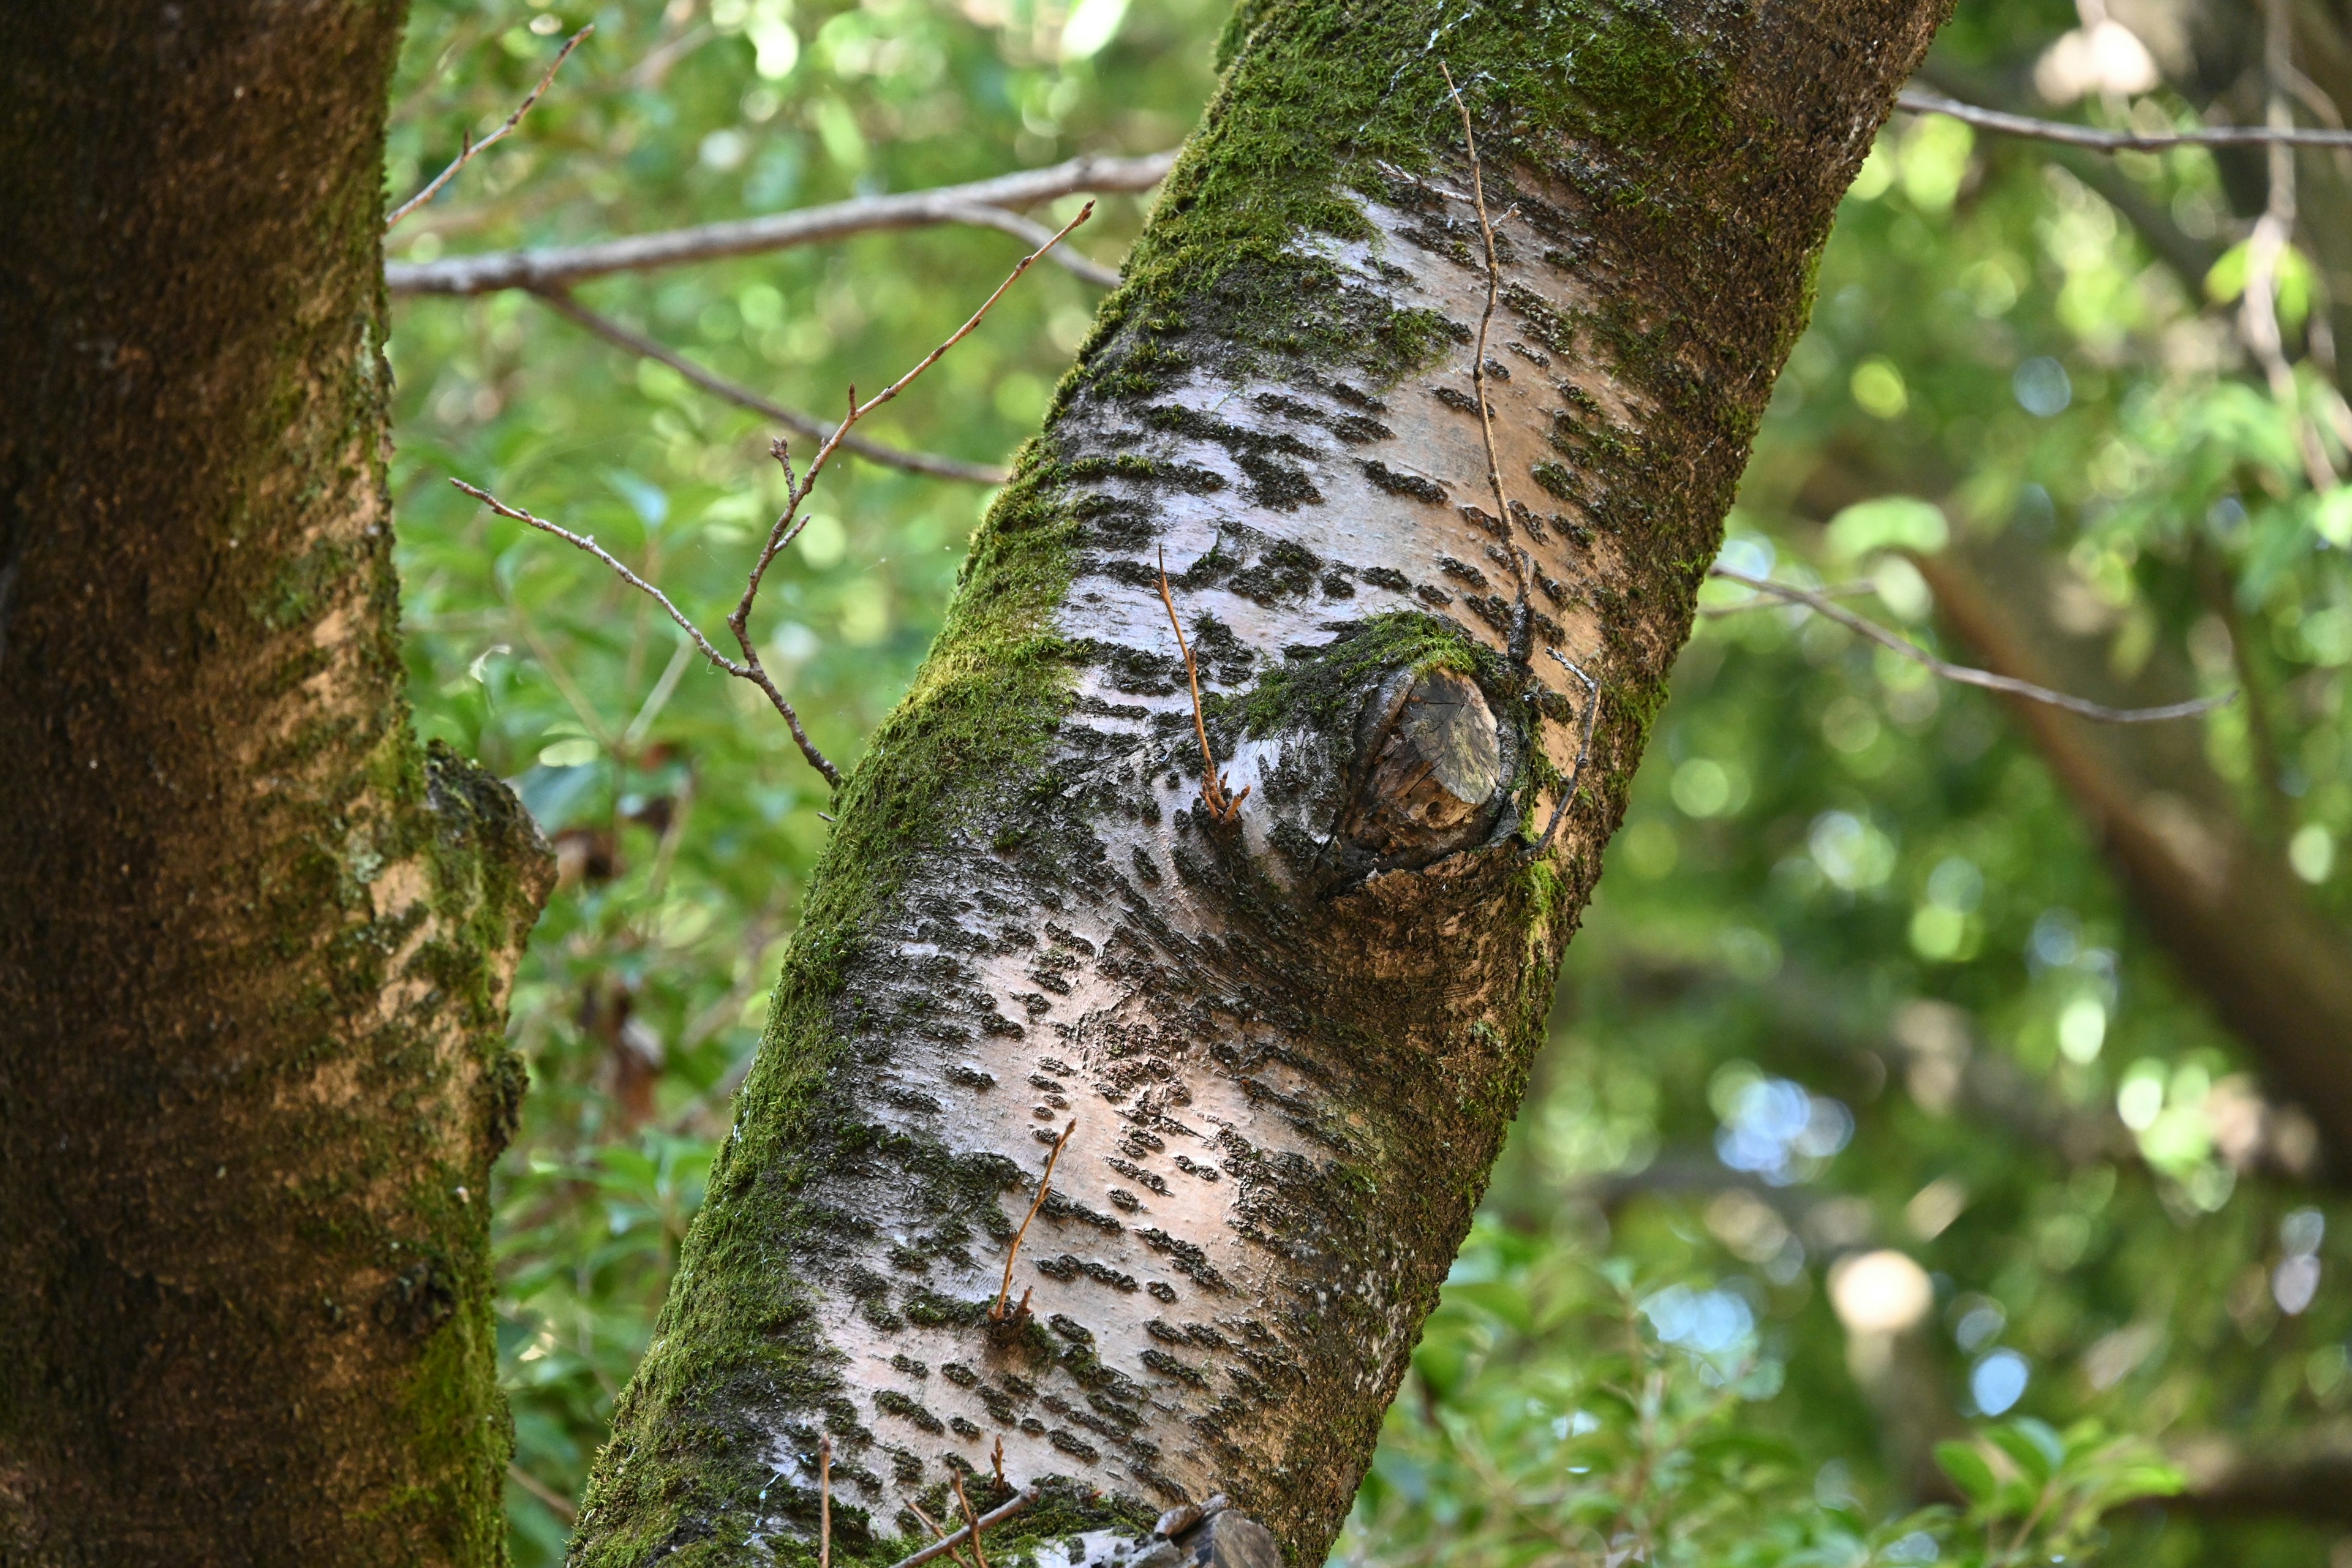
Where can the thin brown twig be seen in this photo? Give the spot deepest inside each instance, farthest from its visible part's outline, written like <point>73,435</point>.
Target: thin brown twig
<point>996,1313</point>
<point>2008,685</point>
<point>552,269</point>
<point>996,1460</point>
<point>786,528</point>
<point>1223,806</point>
<point>1919,101</point>
<point>808,424</point>
<point>937,1534</point>
<point>970,1515</point>
<point>751,671</point>
<point>1520,621</point>
<point>988,1520</point>
<point>1583,754</point>
<point>470,149</point>
<point>824,1502</point>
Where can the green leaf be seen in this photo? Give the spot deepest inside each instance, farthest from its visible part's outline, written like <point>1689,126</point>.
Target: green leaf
<point>1970,1471</point>
<point>1889,523</point>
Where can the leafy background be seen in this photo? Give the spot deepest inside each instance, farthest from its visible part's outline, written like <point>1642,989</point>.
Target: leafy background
<point>1856,982</point>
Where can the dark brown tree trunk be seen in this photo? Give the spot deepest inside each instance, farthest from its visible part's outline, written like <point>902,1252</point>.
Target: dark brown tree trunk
<point>254,943</point>
<point>1289,1037</point>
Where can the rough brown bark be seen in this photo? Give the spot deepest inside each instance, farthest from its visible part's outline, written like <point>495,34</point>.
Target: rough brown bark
<point>1290,1040</point>
<point>254,944</point>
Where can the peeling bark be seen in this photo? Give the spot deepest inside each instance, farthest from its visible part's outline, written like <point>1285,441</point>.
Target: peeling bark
<point>1290,1042</point>
<point>254,943</point>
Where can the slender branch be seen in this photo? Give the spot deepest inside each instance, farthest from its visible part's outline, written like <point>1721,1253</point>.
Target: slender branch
<point>1521,622</point>
<point>1918,100</point>
<point>751,236</point>
<point>1583,754</point>
<point>938,1532</point>
<point>988,1520</point>
<point>808,424</point>
<point>742,671</point>
<point>1822,606</point>
<point>996,1313</point>
<point>470,149</point>
<point>1225,807</point>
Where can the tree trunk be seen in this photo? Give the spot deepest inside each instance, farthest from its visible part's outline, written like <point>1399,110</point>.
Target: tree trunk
<point>1289,1041</point>
<point>2237,926</point>
<point>254,943</point>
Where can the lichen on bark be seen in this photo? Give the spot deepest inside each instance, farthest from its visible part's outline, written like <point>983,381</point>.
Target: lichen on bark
<point>1292,1040</point>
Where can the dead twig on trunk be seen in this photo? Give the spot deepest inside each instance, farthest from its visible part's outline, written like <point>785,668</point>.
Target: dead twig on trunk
<point>996,1313</point>
<point>1522,621</point>
<point>1583,754</point>
<point>2007,685</point>
<point>938,1531</point>
<point>469,148</point>
<point>1221,805</point>
<point>786,528</point>
<point>824,1502</point>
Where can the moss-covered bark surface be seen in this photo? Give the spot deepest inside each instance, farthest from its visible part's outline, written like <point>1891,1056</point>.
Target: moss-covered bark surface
<point>254,941</point>
<point>1290,1041</point>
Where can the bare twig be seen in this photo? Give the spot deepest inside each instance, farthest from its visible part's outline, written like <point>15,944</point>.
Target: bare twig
<point>559,268</point>
<point>996,1460</point>
<point>1822,606</point>
<point>1520,620</point>
<point>1919,101</point>
<point>938,1533</point>
<point>824,1502</point>
<point>750,671</point>
<point>1221,805</point>
<point>786,528</point>
<point>1583,754</point>
<point>988,1520</point>
<point>808,424</point>
<point>996,1313</point>
<point>470,148</point>
<point>971,1516</point>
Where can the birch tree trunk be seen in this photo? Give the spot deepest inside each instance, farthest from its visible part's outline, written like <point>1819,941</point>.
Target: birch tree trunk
<point>254,943</point>
<point>1289,1039</point>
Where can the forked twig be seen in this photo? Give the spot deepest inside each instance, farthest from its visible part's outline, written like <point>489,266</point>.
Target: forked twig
<point>469,148</point>
<point>988,1520</point>
<point>996,1313</point>
<point>787,526</point>
<point>1223,806</point>
<point>970,1515</point>
<point>1521,621</point>
<point>1583,753</point>
<point>932,1525</point>
<point>2008,685</point>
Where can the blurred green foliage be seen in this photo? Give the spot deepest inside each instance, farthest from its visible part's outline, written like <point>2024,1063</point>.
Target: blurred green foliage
<point>1847,897</point>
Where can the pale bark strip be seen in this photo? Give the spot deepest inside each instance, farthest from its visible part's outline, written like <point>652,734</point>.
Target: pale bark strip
<point>1291,1044</point>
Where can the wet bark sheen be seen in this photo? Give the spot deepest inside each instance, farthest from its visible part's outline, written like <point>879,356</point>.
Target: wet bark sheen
<point>1290,1041</point>
<point>254,944</point>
